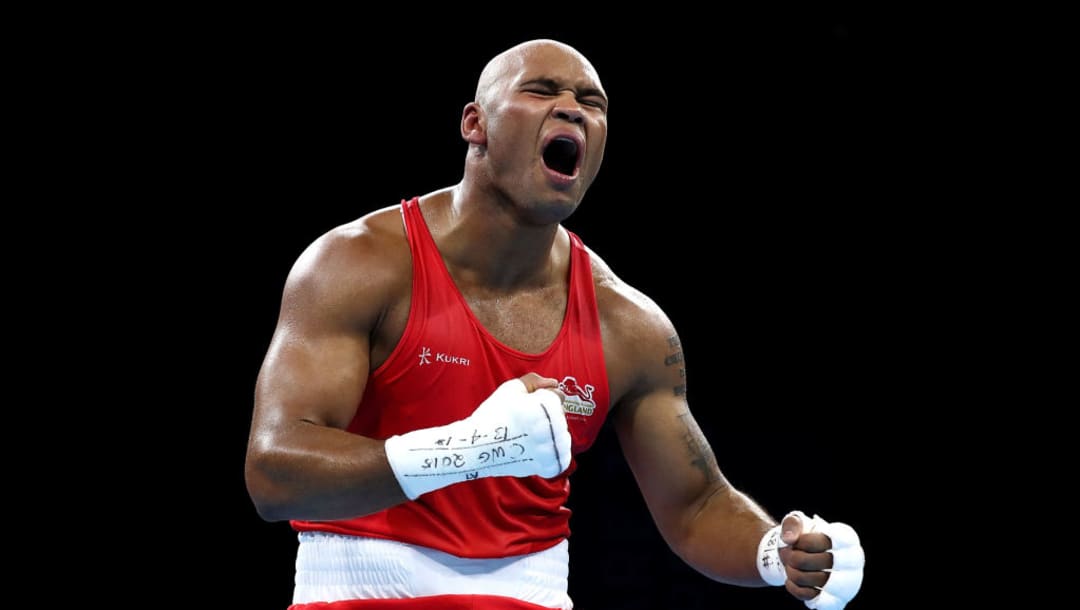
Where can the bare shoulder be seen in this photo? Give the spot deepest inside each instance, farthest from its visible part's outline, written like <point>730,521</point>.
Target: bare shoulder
<point>641,345</point>
<point>367,248</point>
<point>356,267</point>
<point>624,307</point>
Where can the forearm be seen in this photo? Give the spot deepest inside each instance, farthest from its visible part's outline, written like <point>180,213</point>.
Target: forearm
<point>721,537</point>
<point>310,472</point>
<point>317,473</point>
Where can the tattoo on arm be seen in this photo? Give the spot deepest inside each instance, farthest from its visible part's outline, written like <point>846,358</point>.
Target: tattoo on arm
<point>697,447</point>
<point>676,357</point>
<point>701,454</point>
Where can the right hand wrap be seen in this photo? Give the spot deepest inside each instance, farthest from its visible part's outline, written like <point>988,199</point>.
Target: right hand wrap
<point>514,432</point>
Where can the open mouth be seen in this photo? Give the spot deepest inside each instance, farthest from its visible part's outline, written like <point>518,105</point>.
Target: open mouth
<point>562,155</point>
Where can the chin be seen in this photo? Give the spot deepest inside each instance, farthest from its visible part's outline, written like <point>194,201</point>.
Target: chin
<point>553,211</point>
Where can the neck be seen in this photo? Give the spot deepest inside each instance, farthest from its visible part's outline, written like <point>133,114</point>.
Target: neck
<point>491,239</point>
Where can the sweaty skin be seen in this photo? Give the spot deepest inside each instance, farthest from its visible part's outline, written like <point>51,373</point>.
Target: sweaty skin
<point>346,302</point>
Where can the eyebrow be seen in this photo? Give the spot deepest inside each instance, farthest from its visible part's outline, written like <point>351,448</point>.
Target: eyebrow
<point>555,85</point>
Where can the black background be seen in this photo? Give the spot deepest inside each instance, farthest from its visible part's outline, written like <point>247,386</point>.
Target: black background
<point>759,183</point>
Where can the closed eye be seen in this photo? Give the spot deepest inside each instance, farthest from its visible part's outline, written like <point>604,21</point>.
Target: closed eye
<point>595,103</point>
<point>585,93</point>
<point>588,101</point>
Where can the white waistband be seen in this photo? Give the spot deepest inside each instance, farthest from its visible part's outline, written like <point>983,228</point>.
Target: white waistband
<point>332,567</point>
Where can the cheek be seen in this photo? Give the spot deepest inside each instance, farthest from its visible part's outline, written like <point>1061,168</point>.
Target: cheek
<point>506,150</point>
<point>508,132</point>
<point>514,118</point>
<point>597,144</point>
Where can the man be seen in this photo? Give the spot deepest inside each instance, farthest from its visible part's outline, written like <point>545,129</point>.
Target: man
<point>437,365</point>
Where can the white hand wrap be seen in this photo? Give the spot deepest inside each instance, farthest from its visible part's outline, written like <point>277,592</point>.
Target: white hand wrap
<point>512,433</point>
<point>845,577</point>
<point>768,558</point>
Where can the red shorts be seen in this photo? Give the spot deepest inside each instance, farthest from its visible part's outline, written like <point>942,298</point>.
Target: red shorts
<point>431,602</point>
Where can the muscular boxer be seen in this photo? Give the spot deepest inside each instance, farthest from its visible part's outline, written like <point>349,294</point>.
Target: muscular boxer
<point>438,365</point>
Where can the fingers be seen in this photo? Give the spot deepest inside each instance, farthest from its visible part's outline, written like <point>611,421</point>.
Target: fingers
<point>791,528</point>
<point>807,562</point>
<point>534,381</point>
<point>804,570</point>
<point>823,561</point>
<point>798,531</point>
<point>805,556</point>
<point>801,592</point>
<point>813,542</point>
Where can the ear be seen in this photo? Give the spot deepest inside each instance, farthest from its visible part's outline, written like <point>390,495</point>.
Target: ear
<point>473,124</point>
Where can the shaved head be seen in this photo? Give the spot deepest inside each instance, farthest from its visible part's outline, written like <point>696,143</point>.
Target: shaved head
<point>497,72</point>
<point>536,130</point>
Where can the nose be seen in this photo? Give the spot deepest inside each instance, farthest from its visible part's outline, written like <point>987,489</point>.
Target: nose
<point>568,112</point>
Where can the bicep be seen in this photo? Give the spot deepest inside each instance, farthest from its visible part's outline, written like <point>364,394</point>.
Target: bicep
<point>665,448</point>
<point>312,374</point>
<point>316,367</point>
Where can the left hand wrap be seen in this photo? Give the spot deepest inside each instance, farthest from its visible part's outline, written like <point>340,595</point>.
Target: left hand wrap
<point>846,574</point>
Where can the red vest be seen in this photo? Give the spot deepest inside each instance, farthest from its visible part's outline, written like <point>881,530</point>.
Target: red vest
<point>444,366</point>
